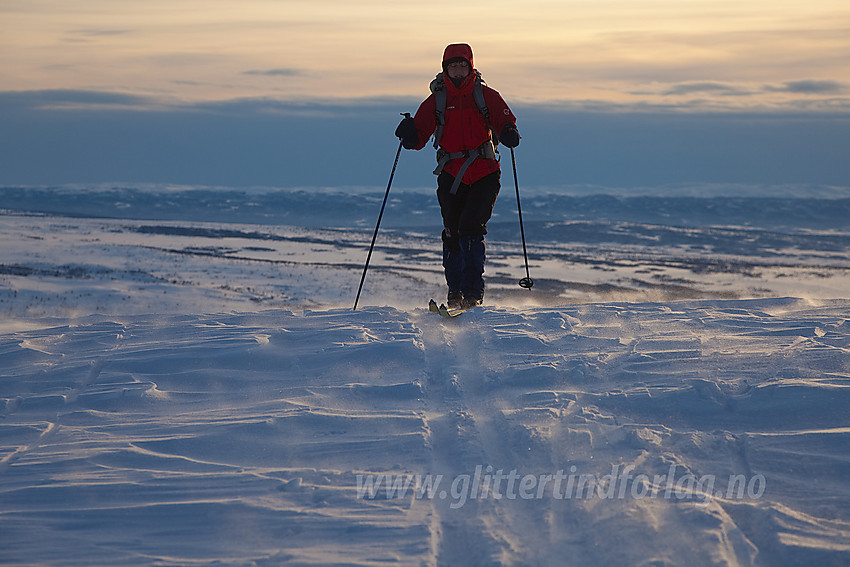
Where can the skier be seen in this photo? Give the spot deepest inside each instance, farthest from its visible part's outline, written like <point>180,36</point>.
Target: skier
<point>468,120</point>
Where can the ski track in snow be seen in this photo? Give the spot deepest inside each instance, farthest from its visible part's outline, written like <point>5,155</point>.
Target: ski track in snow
<point>237,438</point>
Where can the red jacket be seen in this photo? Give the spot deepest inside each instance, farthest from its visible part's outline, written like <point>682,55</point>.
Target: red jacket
<point>465,127</point>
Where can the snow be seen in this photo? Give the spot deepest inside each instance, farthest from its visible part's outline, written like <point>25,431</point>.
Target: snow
<point>180,390</point>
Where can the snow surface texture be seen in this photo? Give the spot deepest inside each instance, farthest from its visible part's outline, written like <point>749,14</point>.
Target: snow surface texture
<point>189,392</point>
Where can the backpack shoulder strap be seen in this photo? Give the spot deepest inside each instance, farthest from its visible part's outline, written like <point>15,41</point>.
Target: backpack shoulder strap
<point>478,95</point>
<point>438,87</point>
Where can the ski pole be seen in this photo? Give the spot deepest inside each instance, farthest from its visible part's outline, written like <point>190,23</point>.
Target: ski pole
<point>378,224</point>
<point>525,282</point>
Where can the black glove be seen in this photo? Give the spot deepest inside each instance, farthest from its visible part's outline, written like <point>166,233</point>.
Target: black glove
<point>406,132</point>
<point>510,136</point>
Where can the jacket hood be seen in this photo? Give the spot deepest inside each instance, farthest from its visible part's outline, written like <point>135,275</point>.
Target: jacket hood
<point>456,50</point>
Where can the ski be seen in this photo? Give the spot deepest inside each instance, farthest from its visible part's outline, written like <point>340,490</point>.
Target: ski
<point>445,311</point>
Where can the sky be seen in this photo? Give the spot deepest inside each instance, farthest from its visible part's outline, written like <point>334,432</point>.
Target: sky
<point>263,92</point>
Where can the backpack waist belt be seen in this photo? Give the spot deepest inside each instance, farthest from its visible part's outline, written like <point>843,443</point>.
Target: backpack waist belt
<point>485,150</point>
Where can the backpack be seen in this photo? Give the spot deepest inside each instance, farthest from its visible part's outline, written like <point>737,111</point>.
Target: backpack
<point>485,150</point>
<point>438,87</point>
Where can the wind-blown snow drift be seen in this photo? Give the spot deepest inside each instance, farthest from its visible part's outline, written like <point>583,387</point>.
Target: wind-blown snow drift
<point>179,387</point>
<point>247,438</point>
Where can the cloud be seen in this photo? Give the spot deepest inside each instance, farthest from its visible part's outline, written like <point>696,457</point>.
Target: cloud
<point>711,96</point>
<point>67,136</point>
<point>809,86</point>
<point>93,32</point>
<point>711,88</point>
<point>80,100</point>
<point>70,98</point>
<point>91,35</point>
<point>706,87</point>
<point>282,72</point>
<point>187,59</point>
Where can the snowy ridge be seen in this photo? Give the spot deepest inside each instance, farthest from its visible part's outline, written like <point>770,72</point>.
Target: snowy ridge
<point>798,206</point>
<point>238,439</point>
<point>596,248</point>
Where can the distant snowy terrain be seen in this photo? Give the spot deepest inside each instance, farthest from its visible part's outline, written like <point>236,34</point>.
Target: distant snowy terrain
<point>143,250</point>
<point>183,381</point>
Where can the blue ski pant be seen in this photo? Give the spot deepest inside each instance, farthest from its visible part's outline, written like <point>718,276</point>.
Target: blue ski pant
<point>465,215</point>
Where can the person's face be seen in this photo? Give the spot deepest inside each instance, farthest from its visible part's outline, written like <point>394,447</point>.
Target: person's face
<point>458,69</point>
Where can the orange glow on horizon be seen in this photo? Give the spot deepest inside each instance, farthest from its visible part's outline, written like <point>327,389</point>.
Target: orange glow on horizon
<point>667,52</point>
